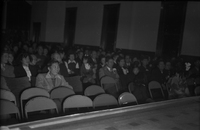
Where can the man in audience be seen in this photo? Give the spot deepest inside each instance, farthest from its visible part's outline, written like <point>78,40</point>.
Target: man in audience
<point>108,70</point>
<point>160,75</point>
<point>145,70</point>
<point>51,79</point>
<point>115,56</point>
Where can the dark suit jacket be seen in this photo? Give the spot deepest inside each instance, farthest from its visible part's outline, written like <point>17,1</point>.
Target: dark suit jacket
<point>125,79</point>
<point>19,71</point>
<point>105,72</point>
<point>156,75</point>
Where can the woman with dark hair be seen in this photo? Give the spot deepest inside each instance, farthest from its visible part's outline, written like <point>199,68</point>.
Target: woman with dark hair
<point>10,59</point>
<point>124,73</point>
<point>87,73</point>
<point>24,69</point>
<point>6,70</point>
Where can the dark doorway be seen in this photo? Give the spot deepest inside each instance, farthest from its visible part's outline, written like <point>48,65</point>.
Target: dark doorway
<point>70,26</point>
<point>109,27</point>
<point>171,27</point>
<point>36,32</point>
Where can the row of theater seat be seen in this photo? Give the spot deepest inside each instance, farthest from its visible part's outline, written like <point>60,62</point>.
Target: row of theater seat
<point>37,99</point>
<point>30,96</point>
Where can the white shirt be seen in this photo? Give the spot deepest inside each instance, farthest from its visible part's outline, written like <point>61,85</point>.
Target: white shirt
<point>28,72</point>
<point>125,71</point>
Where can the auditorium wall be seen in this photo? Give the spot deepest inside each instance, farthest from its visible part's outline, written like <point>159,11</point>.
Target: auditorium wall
<point>137,26</point>
<point>191,35</point>
<point>39,14</point>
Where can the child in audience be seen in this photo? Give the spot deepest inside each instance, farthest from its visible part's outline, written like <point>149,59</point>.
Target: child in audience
<point>72,65</point>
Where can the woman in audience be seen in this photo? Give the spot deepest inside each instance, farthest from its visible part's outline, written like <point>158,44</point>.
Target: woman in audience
<point>6,70</point>
<point>10,58</point>
<point>33,65</point>
<point>140,89</point>
<point>52,78</point>
<point>24,69</point>
<point>125,75</point>
<point>87,73</point>
<point>160,75</point>
<point>79,58</point>
<point>40,56</point>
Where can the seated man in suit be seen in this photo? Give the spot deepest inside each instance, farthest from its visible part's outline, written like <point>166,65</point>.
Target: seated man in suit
<point>51,79</point>
<point>108,70</point>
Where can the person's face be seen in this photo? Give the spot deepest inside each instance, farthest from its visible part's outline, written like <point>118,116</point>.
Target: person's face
<point>45,51</point>
<point>103,60</point>
<point>121,62</point>
<point>115,57</point>
<point>110,63</point>
<point>40,50</point>
<point>15,48</point>
<point>26,60</point>
<point>136,70</point>
<point>10,58</point>
<point>57,57</point>
<point>25,47</point>
<point>62,55</point>
<point>161,65</point>
<point>127,58</point>
<point>54,69</point>
<point>94,54</point>
<point>80,54</point>
<point>30,50</point>
<point>4,58</point>
<point>144,62</point>
<point>34,61</point>
<point>71,57</point>
<point>135,59</point>
<point>85,61</point>
<point>168,66</point>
